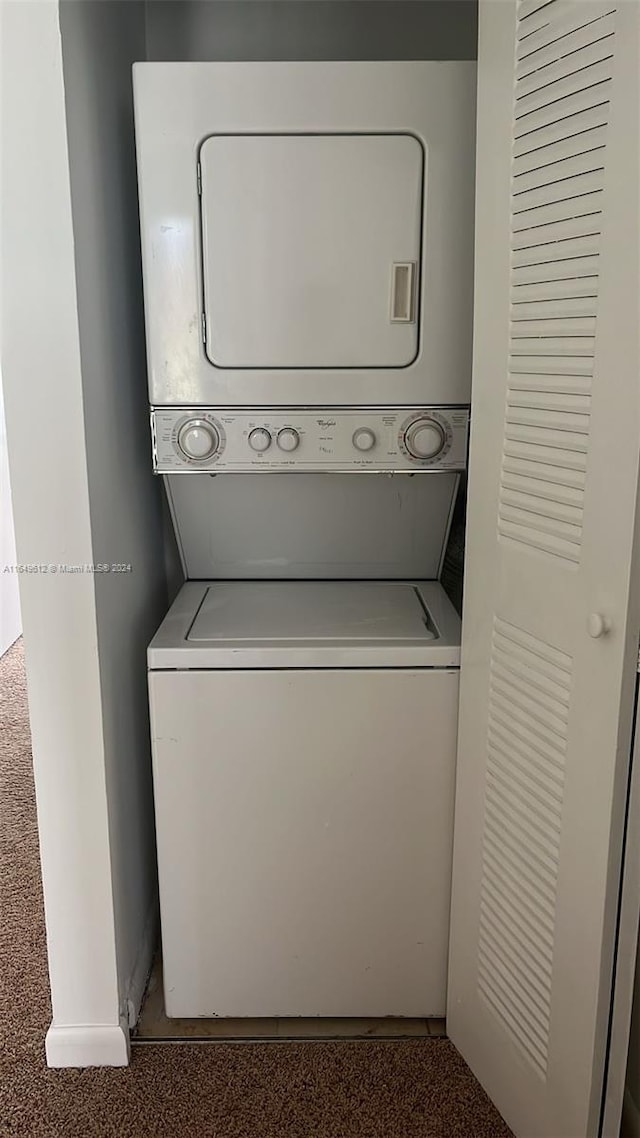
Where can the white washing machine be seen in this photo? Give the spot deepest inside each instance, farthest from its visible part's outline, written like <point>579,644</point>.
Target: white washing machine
<point>304,738</point>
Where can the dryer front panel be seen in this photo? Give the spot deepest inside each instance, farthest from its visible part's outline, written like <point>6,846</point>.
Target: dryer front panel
<point>307,232</point>
<point>311,246</point>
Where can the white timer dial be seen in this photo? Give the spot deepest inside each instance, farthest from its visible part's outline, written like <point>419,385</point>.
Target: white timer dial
<point>198,439</point>
<point>288,439</point>
<point>424,439</point>
<point>260,439</point>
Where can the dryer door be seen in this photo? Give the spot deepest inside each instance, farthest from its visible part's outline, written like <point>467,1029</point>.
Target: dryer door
<point>311,249</point>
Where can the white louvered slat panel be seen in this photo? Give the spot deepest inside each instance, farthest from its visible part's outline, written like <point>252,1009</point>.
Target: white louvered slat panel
<point>513,662</point>
<point>562,108</point>
<point>534,470</point>
<point>565,385</point>
<point>561,102</point>
<point>564,308</point>
<point>545,507</point>
<point>566,237</point>
<point>562,291</point>
<point>533,230</point>
<point>548,437</point>
<point>530,688</point>
<point>543,364</point>
<point>563,170</point>
<point>549,94</point>
<point>587,206</point>
<point>538,505</point>
<point>560,28</point>
<point>558,190</point>
<point>534,529</point>
<point>503,834</point>
<point>532,854</point>
<point>554,19</point>
<point>557,492</point>
<point>518,680</point>
<point>533,8</point>
<point>522,697</point>
<point>573,346</point>
<point>548,420</point>
<point>531,980</point>
<point>542,777</point>
<point>527,965</point>
<point>577,276</point>
<point>572,403</point>
<point>573,126</point>
<point>544,153</point>
<point>565,326</point>
<point>566,67</point>
<point>560,457</point>
<point>596,31</point>
<point>552,662</point>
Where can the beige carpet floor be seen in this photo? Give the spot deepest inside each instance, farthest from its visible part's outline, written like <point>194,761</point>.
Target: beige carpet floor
<point>412,1089</point>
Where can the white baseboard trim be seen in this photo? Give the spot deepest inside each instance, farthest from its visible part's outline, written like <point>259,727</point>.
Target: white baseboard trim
<point>88,1045</point>
<point>138,981</point>
<point>630,1117</point>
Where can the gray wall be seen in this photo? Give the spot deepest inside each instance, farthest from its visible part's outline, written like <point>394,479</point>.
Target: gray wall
<point>311,29</point>
<point>100,41</point>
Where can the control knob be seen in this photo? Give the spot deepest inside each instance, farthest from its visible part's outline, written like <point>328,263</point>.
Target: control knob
<point>424,439</point>
<point>288,439</point>
<point>198,439</point>
<point>364,439</point>
<point>260,439</point>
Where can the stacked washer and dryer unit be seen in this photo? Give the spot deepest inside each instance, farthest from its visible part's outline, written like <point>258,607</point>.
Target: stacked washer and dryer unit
<point>307,252</point>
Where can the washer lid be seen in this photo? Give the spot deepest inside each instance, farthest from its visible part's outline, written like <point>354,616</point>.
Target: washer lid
<point>308,624</point>
<point>302,611</point>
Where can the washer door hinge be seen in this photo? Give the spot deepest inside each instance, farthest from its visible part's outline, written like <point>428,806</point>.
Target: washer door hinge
<point>199,177</point>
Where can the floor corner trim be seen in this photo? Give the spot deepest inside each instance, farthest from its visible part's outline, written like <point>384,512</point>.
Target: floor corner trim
<point>88,1045</point>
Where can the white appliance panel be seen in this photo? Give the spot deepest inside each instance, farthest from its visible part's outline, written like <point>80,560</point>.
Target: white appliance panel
<point>312,525</point>
<point>301,234</point>
<point>304,824</point>
<point>301,439</point>
<point>181,112</point>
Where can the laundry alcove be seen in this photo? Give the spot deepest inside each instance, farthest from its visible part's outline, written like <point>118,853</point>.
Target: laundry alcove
<point>77,415</point>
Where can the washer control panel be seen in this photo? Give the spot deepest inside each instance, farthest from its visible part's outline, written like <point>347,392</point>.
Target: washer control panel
<point>393,441</point>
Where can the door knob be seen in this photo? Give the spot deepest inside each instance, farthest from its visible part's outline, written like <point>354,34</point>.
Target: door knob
<point>598,625</point>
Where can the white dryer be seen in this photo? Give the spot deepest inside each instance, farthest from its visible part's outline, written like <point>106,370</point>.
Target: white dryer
<point>304,740</point>
<point>307,232</point>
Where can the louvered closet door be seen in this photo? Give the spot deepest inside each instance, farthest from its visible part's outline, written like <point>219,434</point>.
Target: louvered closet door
<point>551,621</point>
